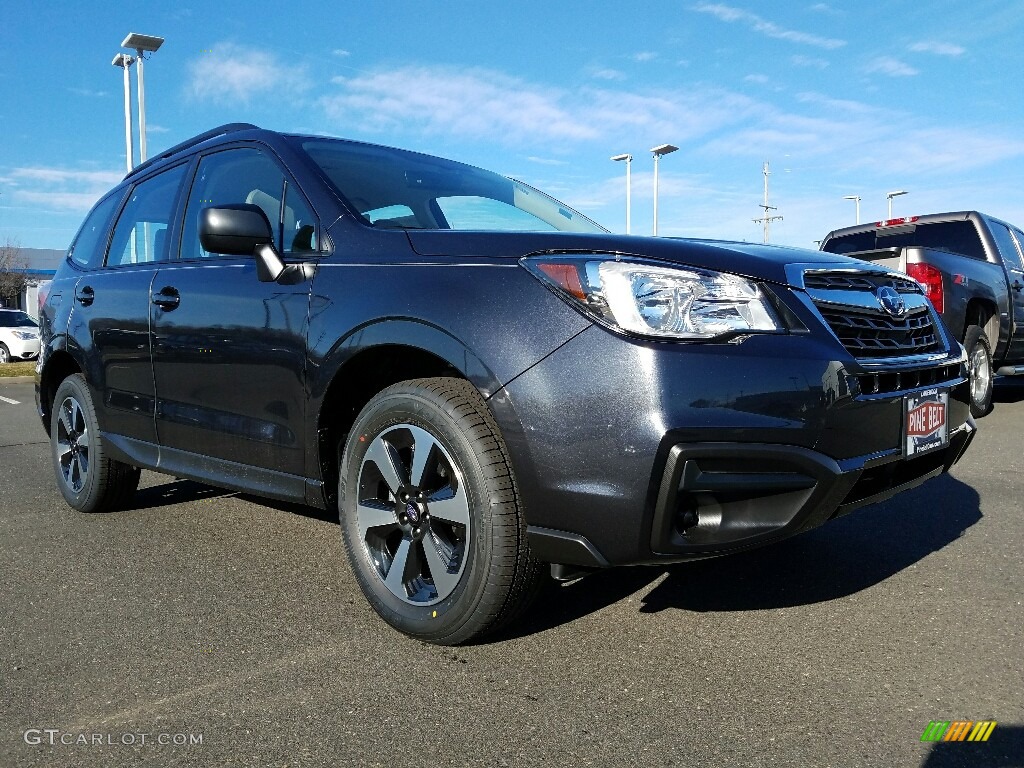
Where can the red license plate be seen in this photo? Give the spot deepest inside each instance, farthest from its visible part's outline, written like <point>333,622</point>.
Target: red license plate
<point>925,426</point>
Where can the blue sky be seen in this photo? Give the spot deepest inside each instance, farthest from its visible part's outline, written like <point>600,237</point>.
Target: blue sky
<point>921,96</point>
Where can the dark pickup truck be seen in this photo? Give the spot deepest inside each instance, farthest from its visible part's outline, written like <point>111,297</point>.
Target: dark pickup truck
<point>972,269</point>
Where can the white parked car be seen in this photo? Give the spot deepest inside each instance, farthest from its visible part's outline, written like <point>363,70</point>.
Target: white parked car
<point>19,336</point>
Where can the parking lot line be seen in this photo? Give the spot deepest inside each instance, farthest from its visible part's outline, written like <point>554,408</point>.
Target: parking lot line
<point>8,400</point>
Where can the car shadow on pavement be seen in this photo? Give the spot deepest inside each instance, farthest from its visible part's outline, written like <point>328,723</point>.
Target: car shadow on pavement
<point>841,558</point>
<point>175,492</point>
<point>1004,749</point>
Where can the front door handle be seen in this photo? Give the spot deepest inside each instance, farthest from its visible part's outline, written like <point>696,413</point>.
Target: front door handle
<point>85,295</point>
<point>167,299</point>
<point>1017,286</point>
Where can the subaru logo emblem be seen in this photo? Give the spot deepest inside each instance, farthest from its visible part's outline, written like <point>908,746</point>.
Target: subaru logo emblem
<point>891,301</point>
<point>413,512</point>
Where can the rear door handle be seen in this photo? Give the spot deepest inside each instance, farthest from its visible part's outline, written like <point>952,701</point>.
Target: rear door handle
<point>1017,286</point>
<point>167,299</point>
<point>85,295</point>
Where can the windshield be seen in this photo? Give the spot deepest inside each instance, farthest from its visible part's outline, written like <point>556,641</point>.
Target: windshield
<point>396,189</point>
<point>16,319</point>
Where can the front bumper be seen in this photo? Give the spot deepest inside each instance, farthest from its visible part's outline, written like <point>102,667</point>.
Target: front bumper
<point>642,452</point>
<point>22,349</point>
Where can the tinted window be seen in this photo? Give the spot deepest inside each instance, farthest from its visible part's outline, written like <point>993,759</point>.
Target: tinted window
<point>299,224</point>
<point>16,320</point>
<point>954,236</point>
<point>247,176</point>
<point>140,235</point>
<point>1006,244</point>
<point>91,240</point>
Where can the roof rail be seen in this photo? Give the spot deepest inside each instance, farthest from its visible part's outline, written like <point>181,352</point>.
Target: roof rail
<point>205,136</point>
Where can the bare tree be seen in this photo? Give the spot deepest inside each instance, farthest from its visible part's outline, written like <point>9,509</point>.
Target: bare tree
<point>12,272</point>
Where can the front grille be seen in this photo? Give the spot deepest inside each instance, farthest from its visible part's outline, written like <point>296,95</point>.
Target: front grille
<point>858,281</point>
<point>885,383</point>
<point>869,333</point>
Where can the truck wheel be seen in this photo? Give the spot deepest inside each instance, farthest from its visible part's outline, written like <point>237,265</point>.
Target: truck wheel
<point>430,513</point>
<point>87,478</point>
<point>979,365</point>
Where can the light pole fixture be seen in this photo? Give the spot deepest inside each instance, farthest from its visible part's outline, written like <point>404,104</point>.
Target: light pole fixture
<point>124,61</point>
<point>629,186</point>
<point>890,195</point>
<point>658,151</point>
<point>856,199</point>
<point>142,44</point>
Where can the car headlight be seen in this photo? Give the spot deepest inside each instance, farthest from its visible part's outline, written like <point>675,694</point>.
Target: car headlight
<point>654,299</point>
<point>26,335</point>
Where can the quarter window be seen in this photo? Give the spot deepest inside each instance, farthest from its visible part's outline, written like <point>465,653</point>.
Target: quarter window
<point>140,235</point>
<point>87,249</point>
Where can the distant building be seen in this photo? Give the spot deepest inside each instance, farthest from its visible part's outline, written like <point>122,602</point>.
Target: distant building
<point>41,264</point>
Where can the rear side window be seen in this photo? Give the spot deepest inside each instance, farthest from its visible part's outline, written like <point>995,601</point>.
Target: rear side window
<point>1007,245</point>
<point>142,229</point>
<point>954,236</point>
<point>88,246</point>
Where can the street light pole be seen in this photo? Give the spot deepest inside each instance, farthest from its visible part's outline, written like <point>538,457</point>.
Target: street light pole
<point>890,195</point>
<point>629,186</point>
<point>125,61</point>
<point>142,44</point>
<point>856,199</point>
<point>658,151</point>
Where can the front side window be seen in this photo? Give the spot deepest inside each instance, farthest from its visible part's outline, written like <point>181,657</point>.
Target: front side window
<point>140,235</point>
<point>396,189</point>
<point>249,176</point>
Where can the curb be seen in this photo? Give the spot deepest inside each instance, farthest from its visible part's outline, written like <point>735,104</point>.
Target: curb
<point>17,379</point>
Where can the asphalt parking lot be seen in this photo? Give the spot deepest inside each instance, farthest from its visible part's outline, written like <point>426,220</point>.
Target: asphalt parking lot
<point>205,616</point>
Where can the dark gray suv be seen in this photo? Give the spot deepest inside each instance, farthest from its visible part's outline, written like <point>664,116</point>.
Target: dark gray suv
<point>487,385</point>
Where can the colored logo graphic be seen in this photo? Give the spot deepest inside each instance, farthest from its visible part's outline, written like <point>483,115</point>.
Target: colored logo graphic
<point>958,730</point>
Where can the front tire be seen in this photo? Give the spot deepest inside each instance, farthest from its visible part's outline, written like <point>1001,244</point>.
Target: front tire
<point>430,513</point>
<point>87,478</point>
<point>979,365</point>
<point>5,354</point>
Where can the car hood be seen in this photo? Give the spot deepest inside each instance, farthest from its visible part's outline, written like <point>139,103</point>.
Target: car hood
<point>777,264</point>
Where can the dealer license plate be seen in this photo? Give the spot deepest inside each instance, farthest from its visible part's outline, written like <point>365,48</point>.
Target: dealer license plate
<point>925,423</point>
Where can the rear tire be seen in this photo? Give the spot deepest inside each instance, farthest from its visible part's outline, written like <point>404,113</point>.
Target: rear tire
<point>979,366</point>
<point>86,477</point>
<point>430,513</point>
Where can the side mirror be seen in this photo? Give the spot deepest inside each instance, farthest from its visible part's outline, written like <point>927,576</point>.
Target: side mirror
<point>241,230</point>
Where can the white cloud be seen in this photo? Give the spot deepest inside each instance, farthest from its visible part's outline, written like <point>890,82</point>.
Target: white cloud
<point>233,73</point>
<point>61,189</point>
<point>760,79</point>
<point>730,14</point>
<point>887,65</point>
<point>487,104</point>
<point>644,56</point>
<point>546,161</point>
<point>341,52</point>
<point>606,73</point>
<point>89,93</point>
<point>939,49</point>
<point>66,176</point>
<point>808,61</point>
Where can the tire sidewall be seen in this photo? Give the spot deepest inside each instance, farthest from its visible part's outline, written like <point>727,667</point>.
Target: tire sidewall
<point>442,619</point>
<point>974,337</point>
<point>85,500</point>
